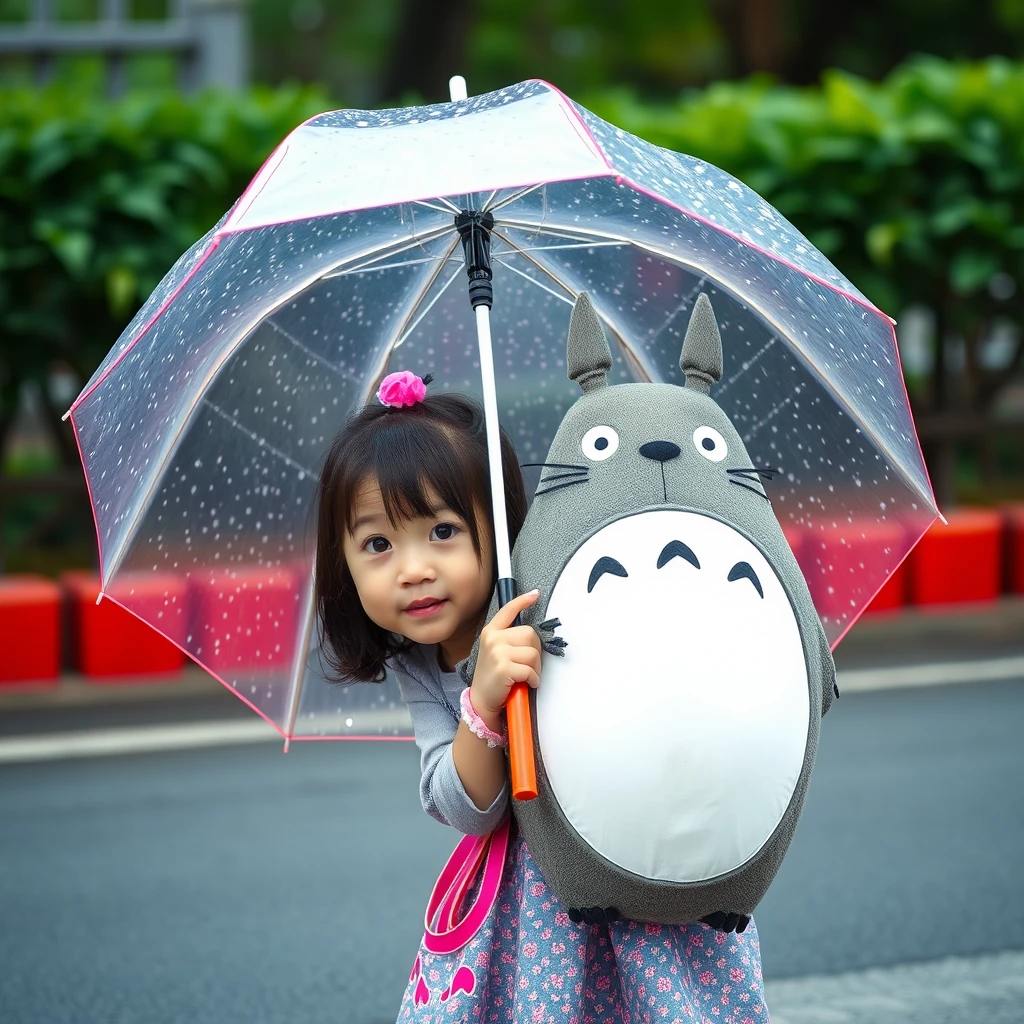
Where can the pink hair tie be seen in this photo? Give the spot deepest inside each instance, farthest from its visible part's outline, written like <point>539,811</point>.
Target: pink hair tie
<point>403,389</point>
<point>477,726</point>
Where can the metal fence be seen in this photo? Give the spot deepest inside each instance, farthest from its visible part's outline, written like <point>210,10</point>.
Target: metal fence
<point>207,38</point>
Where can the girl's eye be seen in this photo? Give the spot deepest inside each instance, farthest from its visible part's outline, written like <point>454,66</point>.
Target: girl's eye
<point>599,443</point>
<point>444,531</point>
<point>377,545</point>
<point>710,443</point>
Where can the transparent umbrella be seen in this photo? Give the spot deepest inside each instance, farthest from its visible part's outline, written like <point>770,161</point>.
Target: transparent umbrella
<point>202,432</point>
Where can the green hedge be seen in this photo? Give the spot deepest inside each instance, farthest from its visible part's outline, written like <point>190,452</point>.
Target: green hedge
<point>914,187</point>
<point>97,200</point>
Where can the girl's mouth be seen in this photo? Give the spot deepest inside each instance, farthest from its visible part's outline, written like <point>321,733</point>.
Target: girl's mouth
<point>426,607</point>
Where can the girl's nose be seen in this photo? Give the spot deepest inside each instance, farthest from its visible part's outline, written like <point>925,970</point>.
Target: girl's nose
<point>416,569</point>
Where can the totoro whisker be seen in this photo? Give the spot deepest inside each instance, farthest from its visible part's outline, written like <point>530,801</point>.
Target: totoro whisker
<point>554,465</point>
<point>558,487</point>
<point>747,487</point>
<point>754,478</point>
<point>765,471</point>
<point>563,476</point>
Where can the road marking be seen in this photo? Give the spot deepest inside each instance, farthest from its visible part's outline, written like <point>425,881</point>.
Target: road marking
<point>134,739</point>
<point>977,988</point>
<point>990,670</point>
<point>154,738</point>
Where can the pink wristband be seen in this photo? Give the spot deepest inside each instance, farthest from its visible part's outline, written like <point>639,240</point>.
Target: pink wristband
<point>477,726</point>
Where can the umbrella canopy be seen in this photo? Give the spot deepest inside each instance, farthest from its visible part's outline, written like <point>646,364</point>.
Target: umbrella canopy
<point>202,431</point>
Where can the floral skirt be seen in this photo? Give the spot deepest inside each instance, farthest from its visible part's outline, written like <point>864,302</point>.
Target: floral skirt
<point>529,964</point>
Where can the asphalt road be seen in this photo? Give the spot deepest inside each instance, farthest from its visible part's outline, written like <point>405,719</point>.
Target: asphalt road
<point>243,885</point>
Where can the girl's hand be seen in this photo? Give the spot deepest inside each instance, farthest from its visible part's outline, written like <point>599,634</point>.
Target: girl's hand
<point>507,654</point>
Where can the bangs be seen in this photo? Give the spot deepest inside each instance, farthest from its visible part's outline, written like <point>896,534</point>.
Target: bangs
<point>416,463</point>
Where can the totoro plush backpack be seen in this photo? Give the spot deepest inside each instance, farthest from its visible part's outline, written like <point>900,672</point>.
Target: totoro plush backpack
<point>675,737</point>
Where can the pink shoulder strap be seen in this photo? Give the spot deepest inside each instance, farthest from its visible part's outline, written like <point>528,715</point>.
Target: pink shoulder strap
<point>444,931</point>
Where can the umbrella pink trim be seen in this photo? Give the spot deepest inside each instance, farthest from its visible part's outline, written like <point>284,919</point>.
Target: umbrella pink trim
<point>149,323</point>
<point>121,604</point>
<point>864,607</point>
<point>906,395</point>
<point>251,193</point>
<point>579,124</point>
<point>281,732</point>
<point>865,303</point>
<point>571,110</point>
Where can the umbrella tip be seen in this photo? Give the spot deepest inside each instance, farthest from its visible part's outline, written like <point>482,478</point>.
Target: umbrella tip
<point>457,88</point>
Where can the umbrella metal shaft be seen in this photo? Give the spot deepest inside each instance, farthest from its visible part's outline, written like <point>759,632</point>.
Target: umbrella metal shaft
<point>490,392</point>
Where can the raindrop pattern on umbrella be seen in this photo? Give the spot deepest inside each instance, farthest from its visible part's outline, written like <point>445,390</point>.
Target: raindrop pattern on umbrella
<point>203,431</point>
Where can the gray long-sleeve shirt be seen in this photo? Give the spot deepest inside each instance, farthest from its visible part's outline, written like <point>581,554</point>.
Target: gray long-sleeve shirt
<point>432,697</point>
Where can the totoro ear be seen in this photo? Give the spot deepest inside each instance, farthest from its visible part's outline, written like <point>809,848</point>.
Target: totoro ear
<point>701,359</point>
<point>587,356</point>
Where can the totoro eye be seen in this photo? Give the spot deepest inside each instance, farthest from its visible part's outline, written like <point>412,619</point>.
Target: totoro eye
<point>710,443</point>
<point>599,443</point>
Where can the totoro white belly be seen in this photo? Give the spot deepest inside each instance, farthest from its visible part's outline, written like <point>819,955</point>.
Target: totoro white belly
<point>673,731</point>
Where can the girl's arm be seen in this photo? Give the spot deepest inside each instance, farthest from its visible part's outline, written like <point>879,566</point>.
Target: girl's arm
<point>504,654</point>
<point>481,768</point>
<point>442,792</point>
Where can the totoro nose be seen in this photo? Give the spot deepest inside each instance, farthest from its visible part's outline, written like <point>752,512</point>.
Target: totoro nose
<point>659,451</point>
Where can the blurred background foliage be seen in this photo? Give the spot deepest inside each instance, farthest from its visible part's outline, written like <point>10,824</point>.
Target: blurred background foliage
<point>906,170</point>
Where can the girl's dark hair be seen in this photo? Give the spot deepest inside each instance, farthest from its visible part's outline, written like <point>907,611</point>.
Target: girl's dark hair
<point>439,443</point>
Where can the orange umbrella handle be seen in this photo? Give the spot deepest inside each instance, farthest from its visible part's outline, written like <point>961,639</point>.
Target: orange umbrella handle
<point>520,742</point>
<point>518,718</point>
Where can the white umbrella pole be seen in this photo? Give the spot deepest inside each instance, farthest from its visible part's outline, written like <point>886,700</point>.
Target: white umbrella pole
<point>501,542</point>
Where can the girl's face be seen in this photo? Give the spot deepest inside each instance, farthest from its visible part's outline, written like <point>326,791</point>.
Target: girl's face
<point>421,578</point>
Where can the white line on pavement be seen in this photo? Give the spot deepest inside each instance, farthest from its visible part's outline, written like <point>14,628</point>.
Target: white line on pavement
<point>991,670</point>
<point>970,989</point>
<point>134,739</point>
<point>152,738</point>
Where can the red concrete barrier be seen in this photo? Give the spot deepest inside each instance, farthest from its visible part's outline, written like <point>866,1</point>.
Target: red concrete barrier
<point>244,619</point>
<point>30,627</point>
<point>109,642</point>
<point>958,562</point>
<point>843,561</point>
<point>1013,526</point>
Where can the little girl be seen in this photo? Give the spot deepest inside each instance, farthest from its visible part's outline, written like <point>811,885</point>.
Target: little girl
<point>405,572</point>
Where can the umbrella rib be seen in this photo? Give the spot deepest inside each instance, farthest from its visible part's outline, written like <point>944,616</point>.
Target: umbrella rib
<point>430,305</point>
<point>370,268</point>
<point>570,245</point>
<point>404,323</point>
<point>387,253</point>
<point>638,364</point>
<point>514,197</point>
<point>551,291</point>
<point>299,664</point>
<point>440,209</point>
